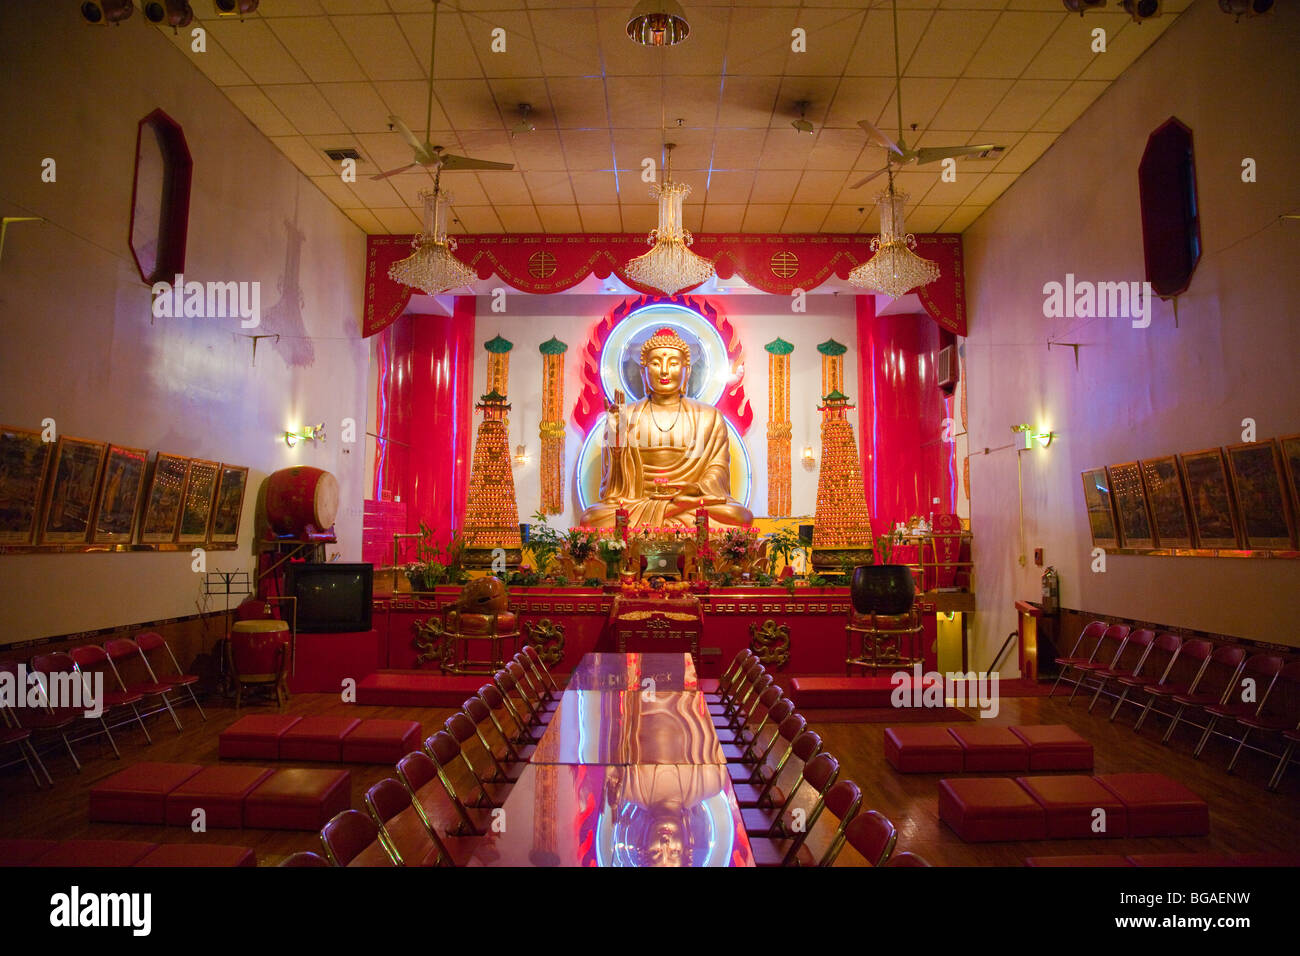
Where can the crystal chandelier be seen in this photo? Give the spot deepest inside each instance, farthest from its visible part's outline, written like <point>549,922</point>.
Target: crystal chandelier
<point>669,266</point>
<point>894,269</point>
<point>431,267</point>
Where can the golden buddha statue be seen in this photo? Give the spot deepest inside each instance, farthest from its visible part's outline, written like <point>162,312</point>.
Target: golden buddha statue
<point>667,455</point>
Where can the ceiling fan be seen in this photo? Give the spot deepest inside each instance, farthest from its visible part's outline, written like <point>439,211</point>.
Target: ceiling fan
<point>427,155</point>
<point>898,148</point>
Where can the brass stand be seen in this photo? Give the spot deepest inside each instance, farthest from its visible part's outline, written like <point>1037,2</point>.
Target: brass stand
<point>882,646</point>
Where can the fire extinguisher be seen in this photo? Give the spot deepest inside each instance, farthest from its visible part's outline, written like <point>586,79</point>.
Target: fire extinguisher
<point>1051,591</point>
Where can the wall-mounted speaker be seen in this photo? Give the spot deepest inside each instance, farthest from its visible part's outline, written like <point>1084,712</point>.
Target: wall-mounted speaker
<point>103,12</point>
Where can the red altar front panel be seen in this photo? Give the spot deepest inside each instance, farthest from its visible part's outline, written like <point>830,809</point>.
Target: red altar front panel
<point>815,617</point>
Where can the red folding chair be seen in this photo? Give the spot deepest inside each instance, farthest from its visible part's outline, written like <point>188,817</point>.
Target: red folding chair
<point>347,835</point>
<point>20,738</point>
<point>305,858</point>
<point>1184,674</point>
<point>873,835</point>
<point>1212,686</point>
<point>125,659</point>
<point>1084,650</point>
<point>44,721</point>
<point>59,670</point>
<point>401,831</point>
<point>418,773</point>
<point>1127,663</point>
<point>1278,713</point>
<point>1153,670</point>
<point>1105,657</point>
<point>162,664</point>
<point>1246,698</point>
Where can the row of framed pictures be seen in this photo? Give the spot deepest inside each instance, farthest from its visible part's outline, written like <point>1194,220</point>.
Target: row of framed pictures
<point>76,491</point>
<point>1242,497</point>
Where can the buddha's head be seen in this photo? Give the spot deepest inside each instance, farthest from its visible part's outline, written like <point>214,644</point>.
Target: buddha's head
<point>665,364</point>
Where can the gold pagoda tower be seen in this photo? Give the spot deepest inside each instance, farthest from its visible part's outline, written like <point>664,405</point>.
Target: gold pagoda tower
<point>841,526</point>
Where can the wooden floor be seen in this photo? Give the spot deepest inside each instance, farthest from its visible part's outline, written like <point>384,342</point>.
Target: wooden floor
<point>1245,817</point>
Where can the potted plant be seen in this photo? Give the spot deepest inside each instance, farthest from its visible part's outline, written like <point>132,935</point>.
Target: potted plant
<point>610,547</point>
<point>427,572</point>
<point>884,587</point>
<point>782,543</point>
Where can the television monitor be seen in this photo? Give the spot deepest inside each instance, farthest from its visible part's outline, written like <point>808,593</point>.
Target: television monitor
<point>331,597</point>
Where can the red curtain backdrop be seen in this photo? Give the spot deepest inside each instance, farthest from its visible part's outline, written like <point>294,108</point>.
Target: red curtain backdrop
<point>906,462</point>
<point>425,410</point>
<point>543,264</point>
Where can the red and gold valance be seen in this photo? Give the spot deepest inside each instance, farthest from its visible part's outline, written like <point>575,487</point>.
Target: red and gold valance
<point>779,264</point>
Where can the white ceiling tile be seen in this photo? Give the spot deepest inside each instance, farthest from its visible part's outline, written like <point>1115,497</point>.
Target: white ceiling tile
<point>805,218</point>
<point>379,46</point>
<point>950,41</point>
<point>335,190</point>
<point>367,221</point>
<point>1021,156</point>
<point>256,50</point>
<point>308,159</point>
<point>549,188</point>
<point>729,187</point>
<point>723,218</point>
<point>519,218</point>
<point>1070,106</point>
<point>1012,43</point>
<point>927,218</point>
<point>215,63</point>
<point>398,220</point>
<point>408,101</point>
<point>1068,51</point>
<point>560,218</point>
<point>638,218</point>
<point>818,187</point>
<point>358,105</point>
<point>764,218</point>
<point>519,56</point>
<point>579,102</point>
<point>962,218</point>
<point>304,107</point>
<point>990,188</point>
<point>1024,103</point>
<point>253,103</point>
<point>1124,47</point>
<point>969,102</point>
<point>587,149</point>
<point>738,149</point>
<point>843,218</point>
<point>476,219</point>
<point>599,189</point>
<point>873,52</point>
<point>953,193</point>
<point>774,187</point>
<point>318,48</point>
<point>376,193</point>
<point>922,98</point>
<point>603,218</point>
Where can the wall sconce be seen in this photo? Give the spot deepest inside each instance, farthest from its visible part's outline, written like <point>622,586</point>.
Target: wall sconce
<point>1043,438</point>
<point>312,433</point>
<point>806,456</point>
<point>521,456</point>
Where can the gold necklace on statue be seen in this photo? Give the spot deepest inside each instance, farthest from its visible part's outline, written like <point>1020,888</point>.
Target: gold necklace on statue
<point>675,417</point>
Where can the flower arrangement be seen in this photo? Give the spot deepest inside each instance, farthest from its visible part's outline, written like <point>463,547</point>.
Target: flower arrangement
<point>738,544</point>
<point>427,572</point>
<point>579,544</point>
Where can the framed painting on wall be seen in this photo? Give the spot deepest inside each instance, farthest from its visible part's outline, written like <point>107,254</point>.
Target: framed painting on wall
<point>24,461</point>
<point>229,504</point>
<point>196,507</point>
<point>1101,515</point>
<point>1168,502</point>
<point>74,479</point>
<point>1256,470</point>
<point>1290,448</point>
<point>162,507</point>
<point>1209,498</point>
<point>119,495</point>
<point>1130,505</point>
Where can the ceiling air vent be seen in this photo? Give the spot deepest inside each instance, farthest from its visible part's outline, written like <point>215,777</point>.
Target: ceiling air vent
<point>342,153</point>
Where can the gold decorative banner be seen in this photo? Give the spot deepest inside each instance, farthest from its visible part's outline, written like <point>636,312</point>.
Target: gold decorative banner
<point>551,428</point>
<point>498,366</point>
<point>778,427</point>
<point>832,366</point>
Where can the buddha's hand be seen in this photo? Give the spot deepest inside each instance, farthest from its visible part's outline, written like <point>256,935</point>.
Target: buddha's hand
<point>686,503</point>
<point>614,424</point>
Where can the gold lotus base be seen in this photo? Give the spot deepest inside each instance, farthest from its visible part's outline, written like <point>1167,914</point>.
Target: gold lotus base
<point>833,558</point>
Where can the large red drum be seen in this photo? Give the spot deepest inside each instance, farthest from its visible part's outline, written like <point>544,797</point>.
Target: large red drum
<point>302,503</point>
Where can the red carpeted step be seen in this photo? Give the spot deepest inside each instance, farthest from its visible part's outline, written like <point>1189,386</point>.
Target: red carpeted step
<point>922,750</point>
<point>298,799</point>
<point>93,853</point>
<point>987,748</point>
<point>1055,747</point>
<point>199,854</point>
<point>416,689</point>
<point>1077,807</point>
<point>813,692</point>
<point>138,794</point>
<point>255,737</point>
<point>1158,805</point>
<point>987,809</point>
<point>317,738</point>
<point>381,741</point>
<point>219,791</point>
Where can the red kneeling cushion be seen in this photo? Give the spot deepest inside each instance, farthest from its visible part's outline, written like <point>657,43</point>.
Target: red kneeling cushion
<point>255,737</point>
<point>298,799</point>
<point>316,738</point>
<point>1055,747</point>
<point>138,794</point>
<point>219,791</point>
<point>23,852</point>
<point>1071,803</point>
<point>199,854</point>
<point>1157,805</point>
<point>988,748</point>
<point>89,853</point>
<point>381,741</point>
<point>918,749</point>
<point>984,809</point>
<point>848,691</point>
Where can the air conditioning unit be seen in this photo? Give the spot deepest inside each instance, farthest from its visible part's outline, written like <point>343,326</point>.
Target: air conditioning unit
<point>945,368</point>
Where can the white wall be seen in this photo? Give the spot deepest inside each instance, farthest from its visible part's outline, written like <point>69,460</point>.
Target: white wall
<point>79,343</point>
<point>531,320</point>
<point>1141,393</point>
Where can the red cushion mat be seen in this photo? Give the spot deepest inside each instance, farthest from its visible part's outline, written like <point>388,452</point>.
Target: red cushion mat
<point>1158,805</point>
<point>255,737</point>
<point>88,853</point>
<point>316,738</point>
<point>416,689</point>
<point>381,741</point>
<point>199,854</point>
<point>983,809</point>
<point>845,691</point>
<point>986,747</point>
<point>23,852</point>
<point>138,794</point>
<point>1071,802</point>
<point>1055,747</point>
<point>219,791</point>
<point>298,799</point>
<point>922,750</point>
